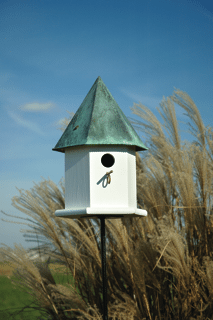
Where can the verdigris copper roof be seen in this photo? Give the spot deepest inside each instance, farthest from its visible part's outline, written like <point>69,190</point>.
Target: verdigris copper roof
<point>99,121</point>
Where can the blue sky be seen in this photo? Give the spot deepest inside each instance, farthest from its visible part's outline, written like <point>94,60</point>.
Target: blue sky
<point>53,51</point>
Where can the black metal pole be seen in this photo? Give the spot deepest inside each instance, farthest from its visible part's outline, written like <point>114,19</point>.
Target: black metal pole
<point>103,260</point>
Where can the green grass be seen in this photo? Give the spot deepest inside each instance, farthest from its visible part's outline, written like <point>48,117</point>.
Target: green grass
<point>14,299</point>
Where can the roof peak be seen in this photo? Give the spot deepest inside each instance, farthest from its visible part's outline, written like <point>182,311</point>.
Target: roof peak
<point>99,121</point>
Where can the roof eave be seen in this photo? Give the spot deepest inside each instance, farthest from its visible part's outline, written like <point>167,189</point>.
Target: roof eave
<point>137,148</point>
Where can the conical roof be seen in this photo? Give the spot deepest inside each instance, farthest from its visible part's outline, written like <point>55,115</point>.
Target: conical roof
<point>99,121</point>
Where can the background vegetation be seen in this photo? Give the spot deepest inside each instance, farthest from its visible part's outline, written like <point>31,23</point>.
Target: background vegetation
<point>16,303</point>
<point>159,266</point>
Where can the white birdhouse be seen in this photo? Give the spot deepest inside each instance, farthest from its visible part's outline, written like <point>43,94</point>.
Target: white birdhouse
<point>100,163</point>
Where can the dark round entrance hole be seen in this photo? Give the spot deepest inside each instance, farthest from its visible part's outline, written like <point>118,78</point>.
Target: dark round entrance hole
<point>107,160</point>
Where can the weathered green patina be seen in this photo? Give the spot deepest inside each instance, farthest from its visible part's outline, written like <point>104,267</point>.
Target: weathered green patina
<point>99,121</point>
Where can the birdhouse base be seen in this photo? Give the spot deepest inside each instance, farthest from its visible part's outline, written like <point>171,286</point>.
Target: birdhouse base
<point>95,212</point>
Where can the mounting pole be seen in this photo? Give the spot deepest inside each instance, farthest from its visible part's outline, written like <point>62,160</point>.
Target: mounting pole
<point>103,260</point>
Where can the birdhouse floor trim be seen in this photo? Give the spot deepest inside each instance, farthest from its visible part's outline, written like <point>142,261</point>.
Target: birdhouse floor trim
<point>95,211</point>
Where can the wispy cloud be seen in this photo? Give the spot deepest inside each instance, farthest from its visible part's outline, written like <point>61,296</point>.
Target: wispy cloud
<point>37,107</point>
<point>63,122</point>
<point>151,102</point>
<point>25,123</point>
<point>146,100</point>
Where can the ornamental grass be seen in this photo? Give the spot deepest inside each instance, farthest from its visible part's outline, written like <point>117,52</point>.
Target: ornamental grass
<point>159,266</point>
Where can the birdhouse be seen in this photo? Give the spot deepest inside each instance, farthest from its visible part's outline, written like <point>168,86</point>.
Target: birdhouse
<point>100,162</point>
